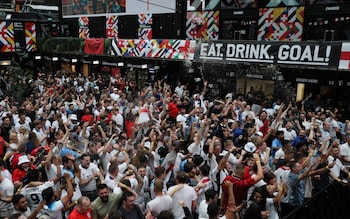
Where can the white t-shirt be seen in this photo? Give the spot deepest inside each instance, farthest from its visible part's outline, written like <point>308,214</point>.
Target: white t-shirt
<point>7,189</point>
<point>195,149</point>
<point>279,154</point>
<point>179,90</point>
<point>231,159</point>
<point>270,206</point>
<point>53,210</point>
<point>345,150</point>
<point>187,194</point>
<point>87,173</point>
<point>335,170</point>
<point>203,210</point>
<point>283,173</point>
<point>160,203</point>
<point>289,135</point>
<point>33,194</point>
<point>41,136</point>
<point>52,174</point>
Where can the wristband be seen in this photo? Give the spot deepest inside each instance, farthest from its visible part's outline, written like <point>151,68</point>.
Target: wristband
<point>257,162</point>
<point>327,167</point>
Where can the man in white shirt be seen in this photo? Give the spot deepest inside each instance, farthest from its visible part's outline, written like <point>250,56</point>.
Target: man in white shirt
<point>289,132</point>
<point>115,96</point>
<point>184,192</point>
<point>112,176</point>
<point>210,197</point>
<point>89,173</point>
<point>39,132</point>
<point>118,118</point>
<point>338,167</point>
<point>6,194</point>
<point>345,151</point>
<point>161,202</point>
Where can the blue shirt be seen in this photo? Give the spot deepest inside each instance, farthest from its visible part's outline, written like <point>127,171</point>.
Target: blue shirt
<point>299,140</point>
<point>275,143</point>
<point>295,190</point>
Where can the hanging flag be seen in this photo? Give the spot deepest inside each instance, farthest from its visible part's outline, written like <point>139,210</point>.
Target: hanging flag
<point>94,45</point>
<point>344,60</point>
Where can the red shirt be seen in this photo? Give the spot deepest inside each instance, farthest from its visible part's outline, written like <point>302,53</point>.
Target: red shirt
<point>88,118</point>
<point>75,214</point>
<point>2,143</point>
<point>14,160</point>
<point>18,175</point>
<point>240,188</point>
<point>128,127</point>
<point>173,110</point>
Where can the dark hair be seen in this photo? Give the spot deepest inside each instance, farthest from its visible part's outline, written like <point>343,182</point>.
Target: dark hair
<point>163,151</point>
<point>65,159</point>
<point>47,194</point>
<point>253,211</point>
<point>268,176</point>
<point>181,177</point>
<point>158,185</point>
<point>125,195</point>
<point>84,155</point>
<point>101,186</point>
<point>205,169</point>
<point>113,167</point>
<point>165,214</point>
<point>15,216</point>
<point>32,175</point>
<point>210,194</point>
<point>158,171</point>
<point>284,142</point>
<point>263,192</point>
<point>16,198</point>
<point>188,167</point>
<point>279,132</point>
<point>197,160</point>
<point>213,209</point>
<point>299,145</point>
<point>114,214</point>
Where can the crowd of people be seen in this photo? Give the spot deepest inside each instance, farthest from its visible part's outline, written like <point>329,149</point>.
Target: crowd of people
<point>94,147</point>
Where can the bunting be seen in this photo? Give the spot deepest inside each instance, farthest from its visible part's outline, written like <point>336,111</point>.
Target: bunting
<point>84,31</point>
<point>112,26</point>
<point>344,60</point>
<point>281,24</point>
<point>169,49</point>
<point>202,25</point>
<point>30,36</point>
<point>7,36</point>
<point>145,26</point>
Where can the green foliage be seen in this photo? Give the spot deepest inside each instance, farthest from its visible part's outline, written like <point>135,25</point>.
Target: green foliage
<point>66,45</point>
<point>62,45</point>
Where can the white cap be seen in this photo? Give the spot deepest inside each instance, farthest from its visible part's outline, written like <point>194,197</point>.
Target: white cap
<point>230,121</point>
<point>147,144</point>
<point>73,117</point>
<point>250,147</point>
<point>23,159</point>
<point>229,95</point>
<point>259,133</point>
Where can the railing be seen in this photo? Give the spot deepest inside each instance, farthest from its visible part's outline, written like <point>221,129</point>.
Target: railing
<point>333,202</point>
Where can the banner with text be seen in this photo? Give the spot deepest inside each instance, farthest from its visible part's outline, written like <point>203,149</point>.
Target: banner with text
<point>323,55</point>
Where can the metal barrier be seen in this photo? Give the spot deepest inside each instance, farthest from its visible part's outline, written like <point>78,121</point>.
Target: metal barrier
<point>331,202</point>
